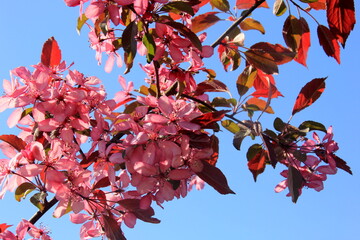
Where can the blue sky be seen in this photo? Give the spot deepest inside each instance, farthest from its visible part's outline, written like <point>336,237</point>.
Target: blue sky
<point>256,212</point>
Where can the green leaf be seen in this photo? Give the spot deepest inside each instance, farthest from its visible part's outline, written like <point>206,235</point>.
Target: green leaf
<point>129,44</point>
<point>80,22</point>
<point>149,43</point>
<point>279,125</point>
<point>230,126</point>
<point>311,125</point>
<point>222,5</point>
<point>23,190</point>
<point>279,8</point>
<point>239,137</point>
<point>178,7</point>
<point>37,201</point>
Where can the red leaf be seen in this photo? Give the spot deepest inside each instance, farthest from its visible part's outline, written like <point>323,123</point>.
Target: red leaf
<point>211,86</point>
<point>14,141</point>
<point>295,182</point>
<point>215,178</point>
<point>207,120</point>
<point>112,228</point>
<point>328,42</point>
<point>319,5</point>
<point>341,18</point>
<point>304,45</point>
<point>3,227</point>
<point>341,164</point>
<point>263,83</point>
<point>278,53</point>
<point>204,21</point>
<point>133,205</point>
<point>270,146</point>
<point>309,94</point>
<point>257,164</point>
<point>292,32</point>
<point>51,53</point>
<point>245,4</point>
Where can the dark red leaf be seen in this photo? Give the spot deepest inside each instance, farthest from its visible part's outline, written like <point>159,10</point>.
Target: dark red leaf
<point>207,120</point>
<point>129,44</point>
<point>262,61</point>
<point>112,228</point>
<point>341,18</point>
<point>304,45</point>
<point>204,21</point>
<point>270,146</point>
<point>211,86</point>
<point>14,141</point>
<point>215,178</point>
<point>328,42</point>
<point>257,164</point>
<point>51,53</point>
<point>341,164</point>
<point>295,182</point>
<point>133,205</point>
<point>309,94</point>
<point>278,53</point>
<point>292,32</point>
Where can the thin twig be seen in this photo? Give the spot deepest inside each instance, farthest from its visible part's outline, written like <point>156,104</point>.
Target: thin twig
<point>237,22</point>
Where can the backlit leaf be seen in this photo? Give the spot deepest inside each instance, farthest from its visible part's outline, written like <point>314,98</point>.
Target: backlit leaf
<point>129,44</point>
<point>149,43</point>
<point>252,24</point>
<point>328,42</point>
<point>80,22</point>
<point>51,53</point>
<point>292,31</point>
<point>304,43</point>
<point>318,5</point>
<point>211,86</point>
<point>341,18</point>
<point>3,227</point>
<point>230,126</point>
<point>207,120</point>
<point>341,164</point>
<point>257,163</point>
<point>37,201</point>
<point>246,80</point>
<point>309,94</point>
<point>279,7</point>
<point>256,104</point>
<point>178,7</point>
<point>14,141</point>
<point>245,4</point>
<point>23,189</point>
<point>222,5</point>
<point>215,178</point>
<point>204,21</point>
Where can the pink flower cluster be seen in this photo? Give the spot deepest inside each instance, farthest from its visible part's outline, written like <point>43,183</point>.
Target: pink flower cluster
<point>151,153</point>
<point>319,162</point>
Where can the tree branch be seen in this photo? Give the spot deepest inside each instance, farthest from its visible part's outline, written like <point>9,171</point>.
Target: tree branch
<point>237,22</point>
<point>39,214</point>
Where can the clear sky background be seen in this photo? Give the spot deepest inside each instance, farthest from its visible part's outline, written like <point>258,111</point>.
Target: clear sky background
<point>256,212</point>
